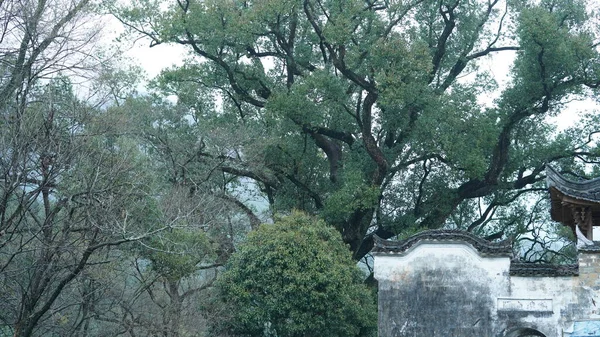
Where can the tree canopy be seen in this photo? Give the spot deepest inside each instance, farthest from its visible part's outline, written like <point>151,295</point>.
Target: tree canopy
<point>296,278</point>
<point>381,116</point>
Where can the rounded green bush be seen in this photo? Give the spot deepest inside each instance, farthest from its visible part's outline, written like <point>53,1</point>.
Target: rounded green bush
<point>296,278</point>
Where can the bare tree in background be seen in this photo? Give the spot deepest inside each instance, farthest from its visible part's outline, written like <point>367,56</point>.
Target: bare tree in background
<point>72,184</point>
<point>39,39</point>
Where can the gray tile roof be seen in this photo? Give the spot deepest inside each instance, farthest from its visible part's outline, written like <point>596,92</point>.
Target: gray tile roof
<point>528,269</point>
<point>595,248</point>
<point>584,190</point>
<point>484,247</point>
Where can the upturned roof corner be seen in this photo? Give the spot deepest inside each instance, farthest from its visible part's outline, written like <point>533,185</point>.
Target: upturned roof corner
<point>574,203</point>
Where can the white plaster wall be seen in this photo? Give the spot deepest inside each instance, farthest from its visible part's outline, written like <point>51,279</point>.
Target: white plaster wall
<point>558,289</point>
<point>393,267</point>
<point>569,298</point>
<point>428,268</point>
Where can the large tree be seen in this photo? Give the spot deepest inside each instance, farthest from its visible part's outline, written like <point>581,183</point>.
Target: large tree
<point>384,115</point>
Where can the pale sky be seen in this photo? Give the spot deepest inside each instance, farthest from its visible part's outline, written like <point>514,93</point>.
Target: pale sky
<point>152,60</point>
<point>157,58</point>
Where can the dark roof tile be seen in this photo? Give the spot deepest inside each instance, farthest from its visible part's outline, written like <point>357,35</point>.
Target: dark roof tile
<point>588,190</point>
<point>595,248</point>
<point>528,269</point>
<point>484,247</point>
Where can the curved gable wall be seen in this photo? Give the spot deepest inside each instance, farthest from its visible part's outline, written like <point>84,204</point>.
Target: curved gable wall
<point>443,288</point>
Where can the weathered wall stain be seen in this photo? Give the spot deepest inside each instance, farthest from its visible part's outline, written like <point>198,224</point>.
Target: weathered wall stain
<point>448,283</point>
<point>435,304</point>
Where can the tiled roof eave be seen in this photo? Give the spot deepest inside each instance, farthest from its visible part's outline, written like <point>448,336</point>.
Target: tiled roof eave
<point>595,248</point>
<point>588,190</point>
<point>482,246</point>
<point>525,269</point>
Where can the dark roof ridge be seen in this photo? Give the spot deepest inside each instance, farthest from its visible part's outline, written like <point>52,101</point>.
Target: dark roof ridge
<point>594,248</point>
<point>528,269</point>
<point>585,190</point>
<point>483,246</point>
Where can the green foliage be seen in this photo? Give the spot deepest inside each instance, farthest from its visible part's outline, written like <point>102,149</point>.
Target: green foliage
<point>296,278</point>
<point>354,195</point>
<point>177,254</point>
<point>384,116</point>
<point>556,49</point>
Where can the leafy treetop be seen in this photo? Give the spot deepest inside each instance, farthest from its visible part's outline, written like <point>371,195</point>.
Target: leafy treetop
<point>370,113</point>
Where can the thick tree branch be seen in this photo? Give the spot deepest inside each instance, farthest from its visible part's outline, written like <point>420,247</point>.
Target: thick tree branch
<point>237,88</point>
<point>333,152</point>
<point>370,143</point>
<point>440,48</point>
<point>254,220</point>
